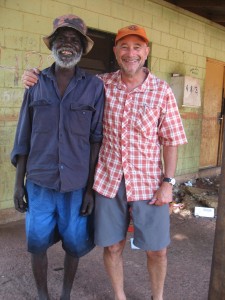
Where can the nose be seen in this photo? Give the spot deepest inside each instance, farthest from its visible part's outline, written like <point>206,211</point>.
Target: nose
<point>68,40</point>
<point>131,51</point>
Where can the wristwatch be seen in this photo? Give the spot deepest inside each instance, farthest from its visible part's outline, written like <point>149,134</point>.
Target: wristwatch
<point>172,181</point>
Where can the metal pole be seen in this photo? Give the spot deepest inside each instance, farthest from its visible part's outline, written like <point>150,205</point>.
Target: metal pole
<point>217,277</point>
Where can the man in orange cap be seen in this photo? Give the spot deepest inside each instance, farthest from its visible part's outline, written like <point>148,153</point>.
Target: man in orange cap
<point>56,146</point>
<point>141,118</point>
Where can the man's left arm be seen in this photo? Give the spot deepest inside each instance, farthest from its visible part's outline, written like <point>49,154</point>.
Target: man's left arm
<point>165,192</point>
<point>95,144</point>
<point>88,199</point>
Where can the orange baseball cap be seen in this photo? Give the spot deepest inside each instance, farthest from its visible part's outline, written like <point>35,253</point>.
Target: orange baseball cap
<point>132,30</point>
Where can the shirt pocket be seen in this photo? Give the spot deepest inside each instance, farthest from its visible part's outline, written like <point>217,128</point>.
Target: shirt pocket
<point>80,119</point>
<point>42,111</point>
<point>147,120</point>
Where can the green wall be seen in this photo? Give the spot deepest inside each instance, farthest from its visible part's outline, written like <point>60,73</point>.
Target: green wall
<point>181,42</point>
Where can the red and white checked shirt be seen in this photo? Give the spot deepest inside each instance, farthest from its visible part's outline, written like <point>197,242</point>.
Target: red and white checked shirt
<point>135,125</point>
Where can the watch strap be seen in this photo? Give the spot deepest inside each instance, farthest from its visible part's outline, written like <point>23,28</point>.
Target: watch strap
<point>170,180</point>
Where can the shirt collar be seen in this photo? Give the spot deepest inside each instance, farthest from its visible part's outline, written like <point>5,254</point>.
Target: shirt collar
<point>116,80</point>
<point>49,72</point>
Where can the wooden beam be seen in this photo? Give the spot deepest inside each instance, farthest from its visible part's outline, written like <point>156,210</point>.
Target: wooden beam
<point>217,18</point>
<point>198,3</point>
<point>216,285</point>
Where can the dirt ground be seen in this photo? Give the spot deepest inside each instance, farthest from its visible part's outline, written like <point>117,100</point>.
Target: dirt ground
<point>189,265</point>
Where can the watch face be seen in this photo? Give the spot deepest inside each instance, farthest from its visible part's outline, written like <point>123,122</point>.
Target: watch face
<point>173,181</point>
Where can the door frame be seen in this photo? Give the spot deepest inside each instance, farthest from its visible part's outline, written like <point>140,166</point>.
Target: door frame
<point>218,149</point>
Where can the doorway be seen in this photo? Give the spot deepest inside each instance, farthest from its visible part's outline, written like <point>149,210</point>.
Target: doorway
<point>101,58</point>
<point>213,115</point>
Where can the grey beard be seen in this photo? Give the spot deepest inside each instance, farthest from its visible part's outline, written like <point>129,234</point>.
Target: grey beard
<point>66,65</point>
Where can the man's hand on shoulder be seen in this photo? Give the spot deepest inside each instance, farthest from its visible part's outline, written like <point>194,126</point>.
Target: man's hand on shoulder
<point>30,78</point>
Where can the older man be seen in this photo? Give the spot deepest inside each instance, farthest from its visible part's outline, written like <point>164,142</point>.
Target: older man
<point>56,147</point>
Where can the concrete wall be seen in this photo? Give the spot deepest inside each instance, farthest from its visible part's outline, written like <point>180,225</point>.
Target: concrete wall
<point>181,41</point>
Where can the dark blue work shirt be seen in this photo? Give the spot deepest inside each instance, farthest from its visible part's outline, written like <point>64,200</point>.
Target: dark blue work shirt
<point>56,133</point>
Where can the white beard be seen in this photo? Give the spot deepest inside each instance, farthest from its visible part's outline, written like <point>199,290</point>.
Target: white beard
<point>66,64</point>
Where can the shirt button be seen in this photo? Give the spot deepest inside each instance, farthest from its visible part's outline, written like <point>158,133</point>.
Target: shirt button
<point>61,167</point>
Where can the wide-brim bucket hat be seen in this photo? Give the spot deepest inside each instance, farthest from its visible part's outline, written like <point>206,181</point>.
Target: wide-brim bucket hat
<point>74,22</point>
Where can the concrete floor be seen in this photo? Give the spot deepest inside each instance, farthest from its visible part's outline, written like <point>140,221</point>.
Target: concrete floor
<point>189,265</point>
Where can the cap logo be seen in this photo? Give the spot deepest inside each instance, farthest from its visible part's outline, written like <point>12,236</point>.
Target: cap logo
<point>133,27</point>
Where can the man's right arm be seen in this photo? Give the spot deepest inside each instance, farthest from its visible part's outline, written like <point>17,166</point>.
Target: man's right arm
<point>20,194</point>
<point>30,78</point>
<point>20,152</point>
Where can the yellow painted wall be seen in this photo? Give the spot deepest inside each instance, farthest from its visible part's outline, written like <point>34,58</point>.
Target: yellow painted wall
<point>181,41</point>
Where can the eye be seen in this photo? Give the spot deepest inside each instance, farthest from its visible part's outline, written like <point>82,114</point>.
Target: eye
<point>76,41</point>
<point>60,39</point>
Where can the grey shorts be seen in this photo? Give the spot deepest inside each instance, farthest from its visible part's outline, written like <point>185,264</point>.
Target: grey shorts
<point>112,216</point>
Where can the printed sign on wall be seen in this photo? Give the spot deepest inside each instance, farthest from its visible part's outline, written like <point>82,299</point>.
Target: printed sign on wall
<point>186,90</point>
<point>191,92</point>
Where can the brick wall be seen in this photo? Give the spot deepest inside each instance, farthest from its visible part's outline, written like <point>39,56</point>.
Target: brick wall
<point>180,40</point>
